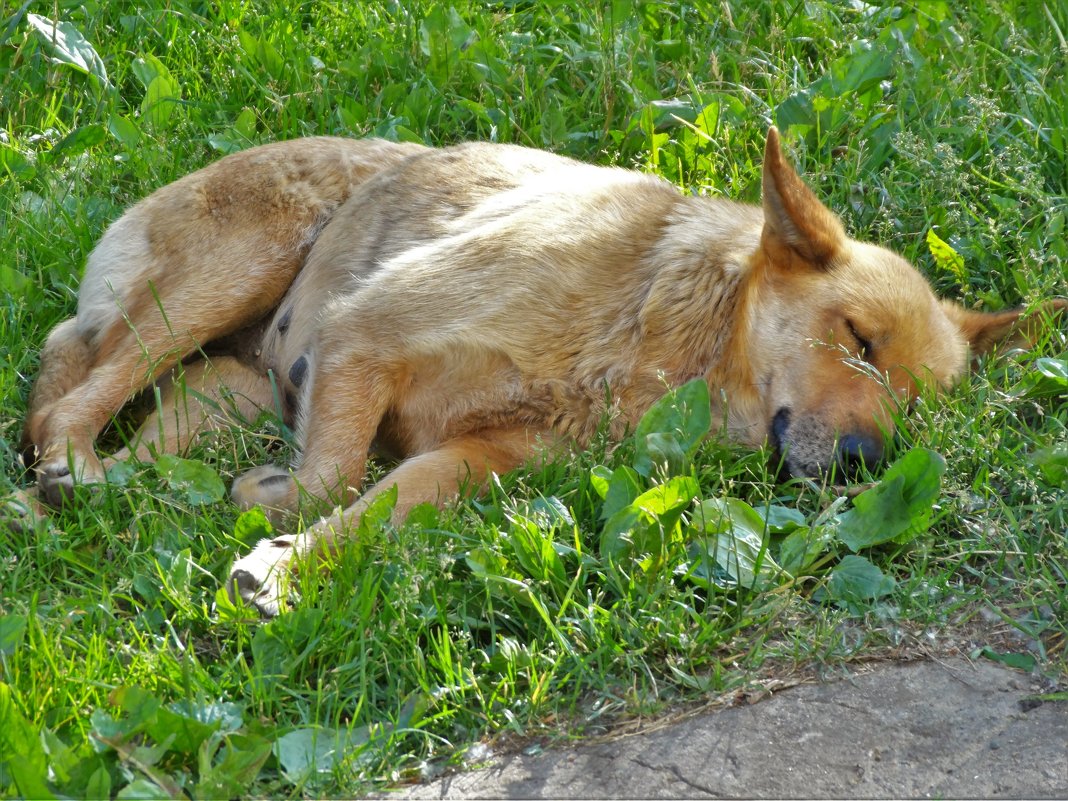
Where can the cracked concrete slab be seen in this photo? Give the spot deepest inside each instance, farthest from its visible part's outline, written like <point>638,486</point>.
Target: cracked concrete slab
<point>919,730</point>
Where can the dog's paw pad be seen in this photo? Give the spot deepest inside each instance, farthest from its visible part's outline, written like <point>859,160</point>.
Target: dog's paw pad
<point>268,486</point>
<point>261,578</point>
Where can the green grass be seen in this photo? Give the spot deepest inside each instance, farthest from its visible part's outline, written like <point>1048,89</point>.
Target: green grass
<point>122,669</point>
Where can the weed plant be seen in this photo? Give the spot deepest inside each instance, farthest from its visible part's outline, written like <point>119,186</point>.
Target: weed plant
<point>621,582</point>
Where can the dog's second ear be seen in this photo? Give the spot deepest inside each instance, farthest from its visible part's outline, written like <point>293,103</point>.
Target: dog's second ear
<point>1015,328</point>
<point>796,223</point>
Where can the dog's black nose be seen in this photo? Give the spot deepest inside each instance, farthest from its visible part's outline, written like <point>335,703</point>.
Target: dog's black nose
<point>859,450</point>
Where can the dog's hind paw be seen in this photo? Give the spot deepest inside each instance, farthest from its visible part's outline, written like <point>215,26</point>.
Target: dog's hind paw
<point>20,511</point>
<point>56,477</point>
<point>268,486</point>
<point>262,578</point>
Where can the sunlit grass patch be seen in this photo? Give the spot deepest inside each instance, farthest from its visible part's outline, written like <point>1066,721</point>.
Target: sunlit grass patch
<point>622,581</point>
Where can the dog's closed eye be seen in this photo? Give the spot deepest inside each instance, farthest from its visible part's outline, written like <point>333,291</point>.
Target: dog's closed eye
<point>866,349</point>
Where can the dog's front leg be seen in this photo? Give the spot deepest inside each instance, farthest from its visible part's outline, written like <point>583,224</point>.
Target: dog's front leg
<point>341,409</point>
<point>462,465</point>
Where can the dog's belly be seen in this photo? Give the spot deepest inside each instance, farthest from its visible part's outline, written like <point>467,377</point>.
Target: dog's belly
<point>457,392</point>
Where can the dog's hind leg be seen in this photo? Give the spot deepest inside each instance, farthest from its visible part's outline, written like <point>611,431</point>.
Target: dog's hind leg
<point>124,361</point>
<point>197,260</point>
<point>65,361</point>
<point>463,464</point>
<point>196,399</point>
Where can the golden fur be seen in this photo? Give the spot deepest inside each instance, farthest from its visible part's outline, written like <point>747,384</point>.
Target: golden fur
<point>467,306</point>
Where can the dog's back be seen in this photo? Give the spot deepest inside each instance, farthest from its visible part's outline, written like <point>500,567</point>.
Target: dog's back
<point>512,286</point>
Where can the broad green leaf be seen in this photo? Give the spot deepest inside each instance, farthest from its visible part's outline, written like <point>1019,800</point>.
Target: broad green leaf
<point>124,130</point>
<point>140,705</point>
<point>617,536</point>
<point>413,710</point>
<point>600,476</point>
<point>191,723</point>
<point>534,550</point>
<point>253,526</point>
<point>78,140</point>
<point>423,515</point>
<point>623,487</point>
<point>147,68</point>
<point>196,481</point>
<point>444,36</point>
<point>1052,462</point>
<point>14,281</point>
<point>946,257</point>
<point>782,519</point>
<point>646,525</point>
<point>99,784</point>
<point>377,515</point>
<point>285,642</point>
<point>12,162</point>
<point>899,507</point>
<point>62,758</point>
<point>12,630</point>
<point>804,546</point>
<point>498,575</point>
<point>105,730</point>
<point>660,450</point>
<point>1048,378</point>
<point>855,582</point>
<point>732,550</point>
<point>865,66</point>
<point>229,772</point>
<point>160,101</point>
<point>175,573</point>
<point>305,753</point>
<point>1020,661</point>
<point>851,83</point>
<point>245,124</point>
<point>120,473</point>
<point>21,753</point>
<point>142,790</point>
<point>226,609</point>
<point>65,44</point>
<point>671,431</point>
<point>550,512</point>
<point>262,53</point>
<point>1054,369</point>
<point>162,90</point>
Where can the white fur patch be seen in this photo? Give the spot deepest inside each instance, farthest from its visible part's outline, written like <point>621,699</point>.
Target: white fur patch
<point>121,259</point>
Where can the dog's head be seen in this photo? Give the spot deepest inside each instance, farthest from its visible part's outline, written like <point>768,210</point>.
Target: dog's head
<point>842,333</point>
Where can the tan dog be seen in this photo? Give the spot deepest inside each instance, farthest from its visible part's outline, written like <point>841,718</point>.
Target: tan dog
<point>464,307</point>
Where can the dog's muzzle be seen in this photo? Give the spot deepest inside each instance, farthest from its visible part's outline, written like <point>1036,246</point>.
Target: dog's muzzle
<point>851,451</point>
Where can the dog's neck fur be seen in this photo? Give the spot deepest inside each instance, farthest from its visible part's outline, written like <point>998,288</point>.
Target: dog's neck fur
<point>706,251</point>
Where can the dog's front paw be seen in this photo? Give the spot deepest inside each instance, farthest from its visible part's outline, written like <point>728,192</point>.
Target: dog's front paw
<point>262,578</point>
<point>56,476</point>
<point>270,487</point>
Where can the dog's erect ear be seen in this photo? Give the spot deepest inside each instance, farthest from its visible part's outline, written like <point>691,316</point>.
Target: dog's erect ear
<point>794,218</point>
<point>1014,328</point>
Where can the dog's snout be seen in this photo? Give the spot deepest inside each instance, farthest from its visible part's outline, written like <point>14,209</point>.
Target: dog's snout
<point>859,450</point>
